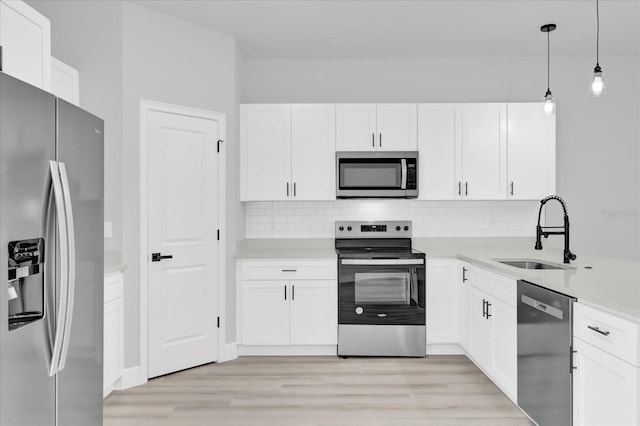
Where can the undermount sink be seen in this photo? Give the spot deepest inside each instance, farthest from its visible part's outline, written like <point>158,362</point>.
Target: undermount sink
<point>531,264</point>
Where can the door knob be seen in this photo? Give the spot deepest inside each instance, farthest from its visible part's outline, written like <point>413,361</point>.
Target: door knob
<point>157,257</point>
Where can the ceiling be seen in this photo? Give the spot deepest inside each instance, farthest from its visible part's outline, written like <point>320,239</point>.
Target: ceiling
<point>309,29</point>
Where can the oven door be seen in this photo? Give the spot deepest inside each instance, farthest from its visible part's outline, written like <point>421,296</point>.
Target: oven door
<point>381,291</point>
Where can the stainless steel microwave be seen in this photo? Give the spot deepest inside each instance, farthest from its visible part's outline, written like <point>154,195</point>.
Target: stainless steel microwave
<point>377,174</point>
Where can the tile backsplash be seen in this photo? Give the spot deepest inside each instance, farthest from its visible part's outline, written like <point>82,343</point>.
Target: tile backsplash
<point>315,219</point>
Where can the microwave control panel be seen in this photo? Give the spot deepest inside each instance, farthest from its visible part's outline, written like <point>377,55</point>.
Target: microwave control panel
<point>412,175</point>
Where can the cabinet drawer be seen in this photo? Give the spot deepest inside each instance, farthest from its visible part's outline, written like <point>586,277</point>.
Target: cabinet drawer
<point>496,285</point>
<point>289,270</point>
<point>612,334</point>
<point>112,287</point>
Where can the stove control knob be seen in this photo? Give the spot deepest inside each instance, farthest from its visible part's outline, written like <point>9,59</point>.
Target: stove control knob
<point>341,228</point>
<point>398,228</point>
<point>349,228</point>
<point>359,310</point>
<point>406,228</point>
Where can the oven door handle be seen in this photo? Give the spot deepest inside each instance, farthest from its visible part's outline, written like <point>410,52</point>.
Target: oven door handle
<point>365,262</point>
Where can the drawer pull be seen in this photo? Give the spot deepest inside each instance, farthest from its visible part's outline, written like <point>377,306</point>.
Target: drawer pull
<point>289,270</point>
<point>597,330</point>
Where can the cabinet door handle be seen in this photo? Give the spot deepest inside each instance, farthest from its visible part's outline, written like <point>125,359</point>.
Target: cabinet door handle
<point>373,140</point>
<point>459,188</point>
<point>294,189</point>
<point>293,292</point>
<point>512,188</point>
<point>597,330</point>
<point>287,189</point>
<point>285,292</point>
<point>466,188</point>
<point>380,140</point>
<point>484,308</point>
<point>488,314</point>
<point>464,274</point>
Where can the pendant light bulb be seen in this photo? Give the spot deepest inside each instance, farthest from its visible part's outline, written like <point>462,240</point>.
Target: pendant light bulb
<point>549,105</point>
<point>597,86</point>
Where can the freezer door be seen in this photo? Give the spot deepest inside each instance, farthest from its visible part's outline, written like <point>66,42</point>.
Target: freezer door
<point>27,144</point>
<point>80,155</point>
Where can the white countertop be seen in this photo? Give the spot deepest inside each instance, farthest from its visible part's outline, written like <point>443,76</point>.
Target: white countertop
<point>611,284</point>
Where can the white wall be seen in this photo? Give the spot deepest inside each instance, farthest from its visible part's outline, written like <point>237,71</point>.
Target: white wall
<point>126,52</point>
<point>597,139</point>
<point>93,45</point>
<point>169,60</point>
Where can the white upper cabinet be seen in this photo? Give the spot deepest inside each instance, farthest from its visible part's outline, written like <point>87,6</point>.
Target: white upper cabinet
<point>65,81</point>
<point>531,151</point>
<point>287,152</point>
<point>376,127</point>
<point>356,127</point>
<point>25,37</point>
<point>313,147</point>
<point>440,147</point>
<point>266,152</point>
<point>397,127</point>
<point>484,151</point>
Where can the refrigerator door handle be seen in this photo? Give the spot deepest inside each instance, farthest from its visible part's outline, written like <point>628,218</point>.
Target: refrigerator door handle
<point>64,266</point>
<point>71,276</point>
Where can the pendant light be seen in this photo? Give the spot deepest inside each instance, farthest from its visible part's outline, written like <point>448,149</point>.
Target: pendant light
<point>597,86</point>
<point>549,105</point>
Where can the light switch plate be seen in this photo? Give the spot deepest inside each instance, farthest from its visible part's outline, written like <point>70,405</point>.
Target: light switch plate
<point>108,229</point>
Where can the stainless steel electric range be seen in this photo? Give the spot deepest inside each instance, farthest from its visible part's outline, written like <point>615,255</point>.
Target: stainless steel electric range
<point>381,290</point>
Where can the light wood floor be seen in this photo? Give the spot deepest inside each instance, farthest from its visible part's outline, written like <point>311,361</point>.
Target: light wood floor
<point>318,391</point>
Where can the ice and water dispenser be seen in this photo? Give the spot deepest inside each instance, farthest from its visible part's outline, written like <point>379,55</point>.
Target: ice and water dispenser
<point>26,282</point>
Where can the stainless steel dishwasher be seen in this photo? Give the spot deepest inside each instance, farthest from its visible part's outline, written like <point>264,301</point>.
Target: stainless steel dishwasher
<point>545,355</point>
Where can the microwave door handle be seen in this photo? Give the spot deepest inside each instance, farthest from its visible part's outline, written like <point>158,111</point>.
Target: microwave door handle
<point>403,174</point>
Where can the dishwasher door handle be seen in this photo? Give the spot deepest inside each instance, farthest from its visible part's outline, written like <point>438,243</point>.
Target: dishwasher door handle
<point>542,307</point>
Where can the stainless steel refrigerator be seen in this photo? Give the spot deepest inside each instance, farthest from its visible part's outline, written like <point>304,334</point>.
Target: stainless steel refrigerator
<point>51,253</point>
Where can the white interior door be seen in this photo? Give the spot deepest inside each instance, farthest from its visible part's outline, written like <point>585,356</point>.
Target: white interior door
<point>183,223</point>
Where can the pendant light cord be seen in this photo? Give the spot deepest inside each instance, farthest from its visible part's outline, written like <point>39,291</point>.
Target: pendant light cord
<point>548,60</point>
<point>597,33</point>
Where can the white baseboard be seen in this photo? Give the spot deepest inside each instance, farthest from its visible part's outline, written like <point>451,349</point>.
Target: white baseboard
<point>445,349</point>
<point>289,350</point>
<point>229,352</point>
<point>131,377</point>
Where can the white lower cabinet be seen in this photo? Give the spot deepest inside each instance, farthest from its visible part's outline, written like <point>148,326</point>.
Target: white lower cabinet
<point>313,312</point>
<point>605,388</point>
<point>464,308</point>
<point>442,283</point>
<point>113,340</point>
<point>265,313</point>
<point>606,378</point>
<point>493,343</point>
<point>296,304</point>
